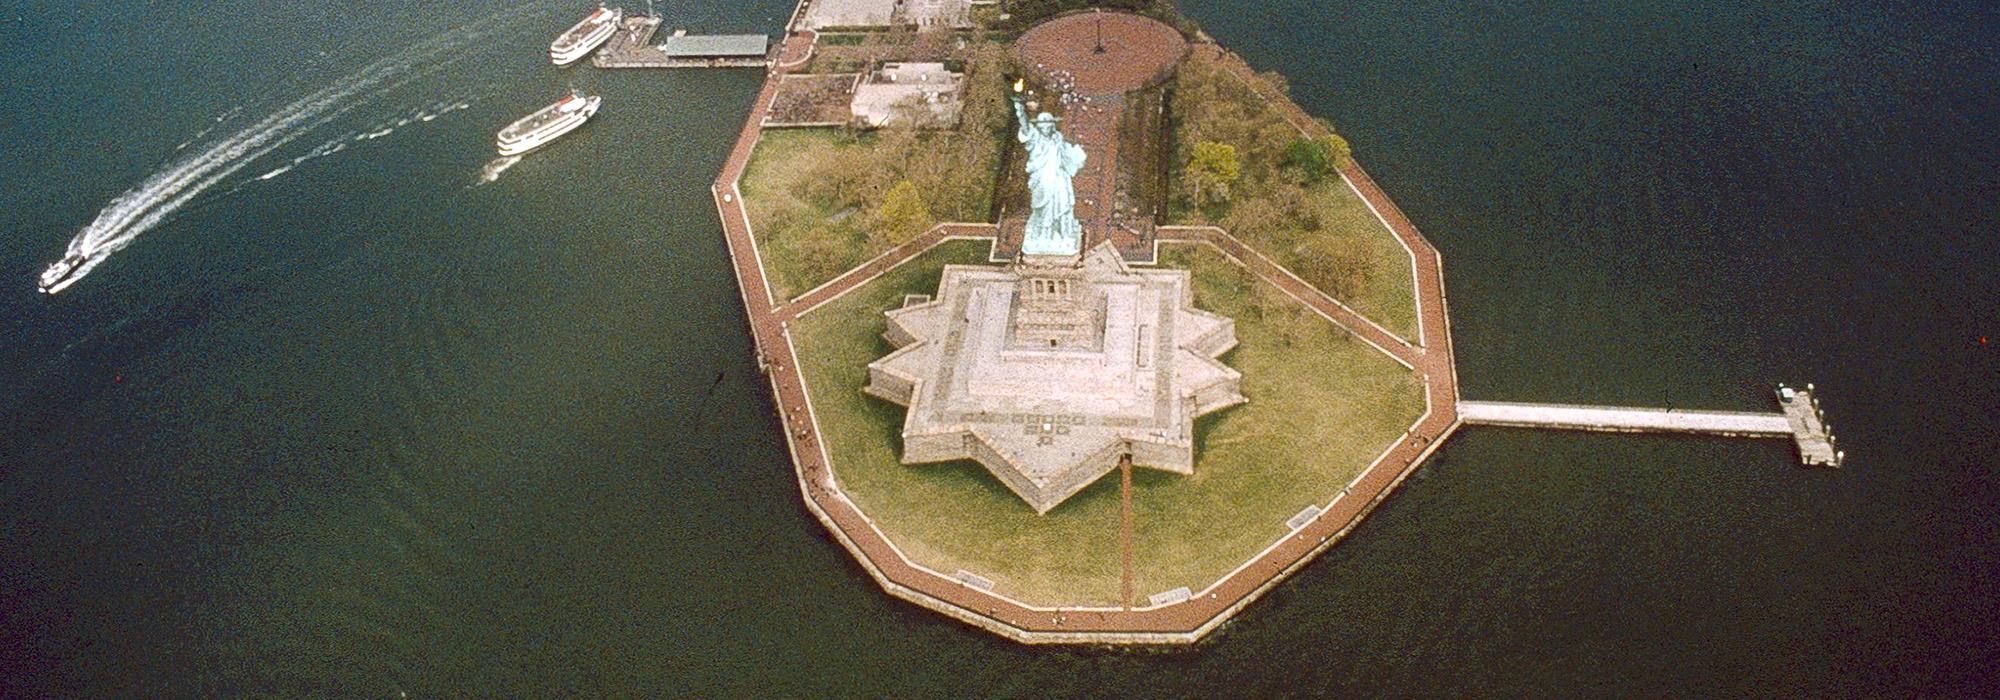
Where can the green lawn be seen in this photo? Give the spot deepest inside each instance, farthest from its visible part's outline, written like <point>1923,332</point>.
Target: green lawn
<point>814,194</point>
<point>1321,406</point>
<point>823,200</point>
<point>802,244</point>
<point>1388,296</point>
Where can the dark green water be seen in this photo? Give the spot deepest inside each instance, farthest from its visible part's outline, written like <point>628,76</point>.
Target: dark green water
<point>370,426</point>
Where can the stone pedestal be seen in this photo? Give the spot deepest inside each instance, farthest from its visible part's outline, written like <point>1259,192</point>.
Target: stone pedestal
<point>1049,370</point>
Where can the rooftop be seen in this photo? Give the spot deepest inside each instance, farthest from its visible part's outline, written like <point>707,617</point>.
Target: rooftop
<point>848,13</point>
<point>716,45</point>
<point>881,97</point>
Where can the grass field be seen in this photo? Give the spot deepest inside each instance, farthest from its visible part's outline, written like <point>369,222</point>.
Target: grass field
<point>822,200</point>
<point>1322,405</point>
<point>797,255</point>
<point>1387,295</point>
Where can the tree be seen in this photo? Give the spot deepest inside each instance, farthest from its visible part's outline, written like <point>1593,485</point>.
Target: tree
<point>902,215</point>
<point>822,252</point>
<point>913,112</point>
<point>1317,158</point>
<point>984,112</point>
<point>1211,170</point>
<point>1339,266</point>
<point>836,178</point>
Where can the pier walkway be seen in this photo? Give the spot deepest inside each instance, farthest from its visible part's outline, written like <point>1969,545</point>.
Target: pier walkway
<point>1800,419</point>
<point>631,47</point>
<point>1618,419</point>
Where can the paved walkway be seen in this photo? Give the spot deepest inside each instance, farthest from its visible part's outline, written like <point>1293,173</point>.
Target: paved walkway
<point>1620,419</point>
<point>1138,51</point>
<point>1170,623</point>
<point>888,260</point>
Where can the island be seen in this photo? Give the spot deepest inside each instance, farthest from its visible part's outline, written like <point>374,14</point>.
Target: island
<point>993,254</point>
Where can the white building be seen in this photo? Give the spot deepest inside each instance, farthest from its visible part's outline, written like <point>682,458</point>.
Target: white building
<point>886,94</point>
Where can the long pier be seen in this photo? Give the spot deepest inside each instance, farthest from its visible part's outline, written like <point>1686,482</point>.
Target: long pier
<point>1620,419</point>
<point>1800,418</point>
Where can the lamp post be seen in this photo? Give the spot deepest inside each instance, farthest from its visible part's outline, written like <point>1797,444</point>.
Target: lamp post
<point>1100,32</point>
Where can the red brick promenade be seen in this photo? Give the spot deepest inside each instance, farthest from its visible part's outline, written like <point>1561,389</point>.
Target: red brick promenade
<point>1171,623</point>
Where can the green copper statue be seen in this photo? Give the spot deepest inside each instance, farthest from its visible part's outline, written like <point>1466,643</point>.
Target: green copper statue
<point>1052,161</point>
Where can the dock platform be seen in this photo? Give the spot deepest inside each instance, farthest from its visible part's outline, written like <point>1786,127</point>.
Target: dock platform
<point>631,46</point>
<point>1799,419</point>
<point>1809,428</point>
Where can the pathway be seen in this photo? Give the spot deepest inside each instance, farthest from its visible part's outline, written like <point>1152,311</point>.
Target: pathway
<point>1624,420</point>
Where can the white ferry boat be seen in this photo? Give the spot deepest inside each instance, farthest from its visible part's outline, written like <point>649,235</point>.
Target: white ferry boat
<point>534,130</point>
<point>586,36</point>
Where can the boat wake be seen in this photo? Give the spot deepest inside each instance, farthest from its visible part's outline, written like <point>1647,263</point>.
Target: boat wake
<point>166,191</point>
<point>379,130</point>
<point>219,119</point>
<point>499,165</point>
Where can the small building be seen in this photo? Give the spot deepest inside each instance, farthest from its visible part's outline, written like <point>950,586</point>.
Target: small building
<point>890,92</point>
<point>732,47</point>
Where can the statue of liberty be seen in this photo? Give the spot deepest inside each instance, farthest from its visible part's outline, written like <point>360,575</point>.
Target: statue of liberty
<point>1052,161</point>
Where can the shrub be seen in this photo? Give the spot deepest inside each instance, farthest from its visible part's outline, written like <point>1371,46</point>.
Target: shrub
<point>1211,170</point>
<point>902,215</point>
<point>1316,158</point>
<point>1337,265</point>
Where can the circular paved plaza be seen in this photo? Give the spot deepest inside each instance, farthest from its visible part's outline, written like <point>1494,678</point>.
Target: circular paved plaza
<point>1137,51</point>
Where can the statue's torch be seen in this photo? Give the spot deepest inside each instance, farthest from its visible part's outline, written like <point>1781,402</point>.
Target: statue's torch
<point>1021,104</point>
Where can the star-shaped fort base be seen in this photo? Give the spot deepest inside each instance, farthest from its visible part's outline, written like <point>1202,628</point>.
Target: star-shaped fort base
<point>1048,371</point>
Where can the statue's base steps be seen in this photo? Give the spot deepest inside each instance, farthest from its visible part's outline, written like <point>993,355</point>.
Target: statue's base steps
<point>1133,239</point>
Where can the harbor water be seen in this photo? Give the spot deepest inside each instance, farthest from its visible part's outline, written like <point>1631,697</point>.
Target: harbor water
<point>348,408</point>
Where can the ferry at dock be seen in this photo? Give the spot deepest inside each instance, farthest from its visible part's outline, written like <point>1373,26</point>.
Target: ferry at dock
<point>547,123</point>
<point>586,36</point>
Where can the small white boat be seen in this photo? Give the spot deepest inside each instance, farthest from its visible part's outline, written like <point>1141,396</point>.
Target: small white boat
<point>586,36</point>
<point>548,123</point>
<point>63,273</point>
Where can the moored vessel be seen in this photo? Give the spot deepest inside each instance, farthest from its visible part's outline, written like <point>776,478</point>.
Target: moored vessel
<point>586,36</point>
<point>533,131</point>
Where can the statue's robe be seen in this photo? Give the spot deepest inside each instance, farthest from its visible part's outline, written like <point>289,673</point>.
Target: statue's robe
<point>1052,162</point>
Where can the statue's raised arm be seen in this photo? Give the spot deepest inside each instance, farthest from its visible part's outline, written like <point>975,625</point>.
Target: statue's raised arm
<point>1021,118</point>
